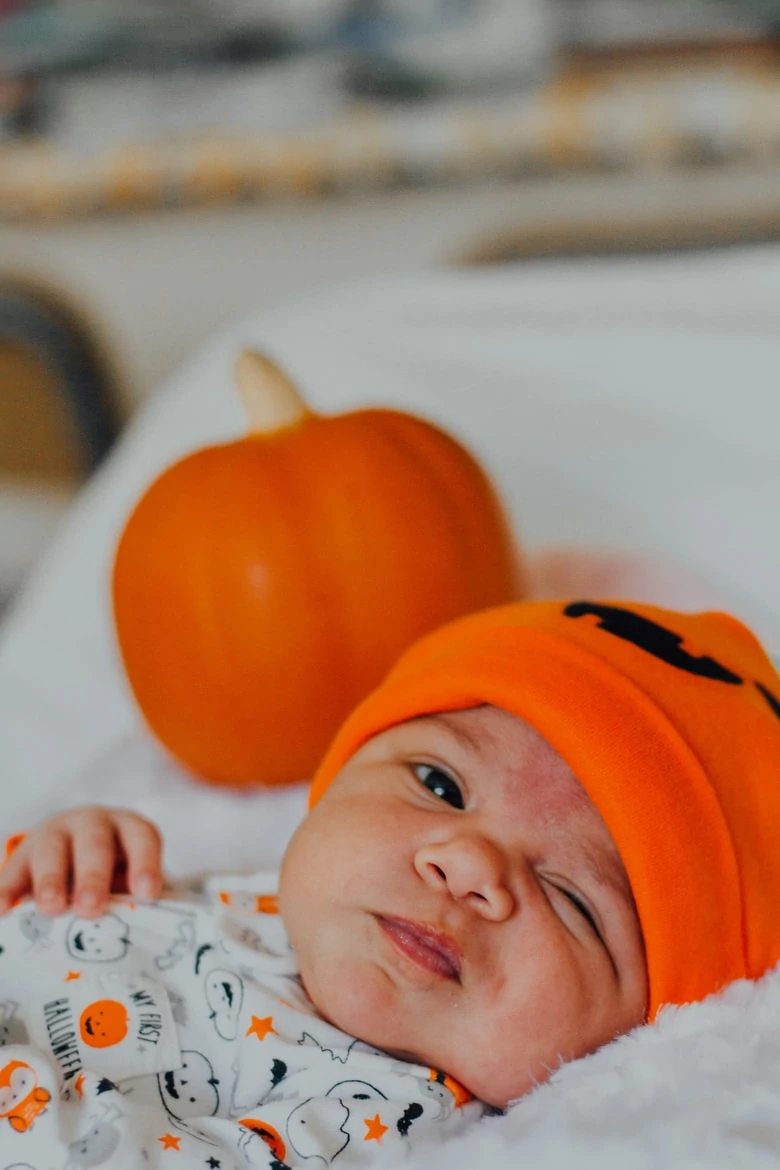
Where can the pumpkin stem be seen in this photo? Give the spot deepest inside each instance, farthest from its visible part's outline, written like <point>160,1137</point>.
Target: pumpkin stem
<point>272,402</point>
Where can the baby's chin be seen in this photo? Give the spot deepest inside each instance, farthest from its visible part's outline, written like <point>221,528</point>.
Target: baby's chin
<point>353,1004</point>
<point>355,997</point>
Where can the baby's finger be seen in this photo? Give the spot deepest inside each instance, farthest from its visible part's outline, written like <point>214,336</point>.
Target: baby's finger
<point>15,879</point>
<point>49,869</point>
<point>94,857</point>
<point>142,847</point>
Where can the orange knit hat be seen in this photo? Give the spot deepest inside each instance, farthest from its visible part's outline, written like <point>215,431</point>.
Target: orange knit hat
<point>671,723</point>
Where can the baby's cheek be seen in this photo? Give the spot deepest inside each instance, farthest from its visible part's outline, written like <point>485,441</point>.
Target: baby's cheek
<point>504,1045</point>
<point>498,1064</point>
<point>299,880</point>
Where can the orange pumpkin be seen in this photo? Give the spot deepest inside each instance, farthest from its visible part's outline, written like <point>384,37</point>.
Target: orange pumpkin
<point>270,1136</point>
<point>104,1023</point>
<point>263,587</point>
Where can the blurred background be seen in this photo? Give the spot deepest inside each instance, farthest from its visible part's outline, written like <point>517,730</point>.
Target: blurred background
<point>168,165</point>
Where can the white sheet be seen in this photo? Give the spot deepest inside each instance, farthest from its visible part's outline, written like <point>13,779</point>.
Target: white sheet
<point>624,404</point>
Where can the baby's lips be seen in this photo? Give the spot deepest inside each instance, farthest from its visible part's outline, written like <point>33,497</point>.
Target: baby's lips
<point>429,939</point>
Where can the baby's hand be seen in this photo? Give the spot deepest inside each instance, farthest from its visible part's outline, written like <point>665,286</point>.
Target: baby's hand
<point>82,856</point>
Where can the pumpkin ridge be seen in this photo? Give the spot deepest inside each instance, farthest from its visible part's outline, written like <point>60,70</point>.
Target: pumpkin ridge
<point>344,515</point>
<point>210,657</point>
<point>480,544</point>
<point>302,566</point>
<point>390,432</point>
<point>458,497</point>
<point>418,444</point>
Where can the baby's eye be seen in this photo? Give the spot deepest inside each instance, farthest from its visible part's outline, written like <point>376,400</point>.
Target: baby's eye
<point>583,909</point>
<point>439,783</point>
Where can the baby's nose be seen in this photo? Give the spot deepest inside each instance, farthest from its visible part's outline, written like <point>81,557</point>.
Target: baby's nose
<point>471,869</point>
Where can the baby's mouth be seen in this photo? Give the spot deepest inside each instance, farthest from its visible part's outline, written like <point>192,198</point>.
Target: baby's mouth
<point>424,946</point>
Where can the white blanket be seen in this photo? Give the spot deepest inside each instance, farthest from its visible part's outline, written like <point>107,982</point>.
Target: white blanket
<point>630,406</point>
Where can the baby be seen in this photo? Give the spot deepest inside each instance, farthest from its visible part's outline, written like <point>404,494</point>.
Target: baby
<point>547,823</point>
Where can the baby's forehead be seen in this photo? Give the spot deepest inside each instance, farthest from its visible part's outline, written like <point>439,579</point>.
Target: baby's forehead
<point>503,738</point>
<point>518,757</point>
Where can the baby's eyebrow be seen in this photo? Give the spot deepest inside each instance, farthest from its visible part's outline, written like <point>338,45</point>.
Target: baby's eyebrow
<point>444,720</point>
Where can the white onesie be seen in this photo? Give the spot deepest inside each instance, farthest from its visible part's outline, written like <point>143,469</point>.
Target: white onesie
<point>179,1035</point>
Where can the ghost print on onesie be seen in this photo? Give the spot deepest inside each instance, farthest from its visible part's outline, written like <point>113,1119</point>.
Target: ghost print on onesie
<point>182,1027</point>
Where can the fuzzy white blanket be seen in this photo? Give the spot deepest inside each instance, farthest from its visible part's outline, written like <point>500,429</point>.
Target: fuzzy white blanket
<point>700,1088</point>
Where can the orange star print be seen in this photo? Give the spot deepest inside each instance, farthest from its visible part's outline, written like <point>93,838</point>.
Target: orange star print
<point>376,1131</point>
<point>169,1142</point>
<point>261,1028</point>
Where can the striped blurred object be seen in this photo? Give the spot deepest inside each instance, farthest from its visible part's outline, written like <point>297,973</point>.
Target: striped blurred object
<point>651,114</point>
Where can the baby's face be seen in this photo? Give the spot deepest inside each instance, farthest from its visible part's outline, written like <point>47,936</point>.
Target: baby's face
<point>456,899</point>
